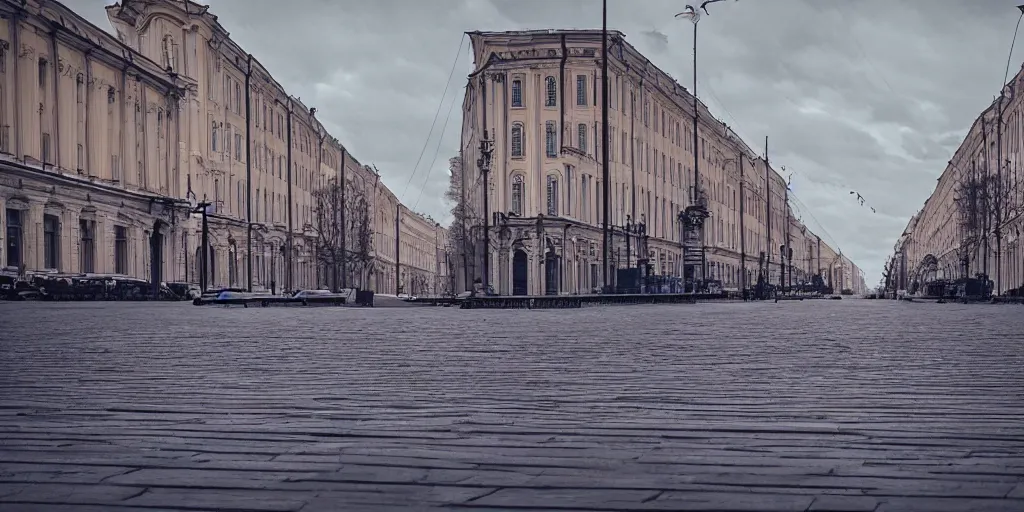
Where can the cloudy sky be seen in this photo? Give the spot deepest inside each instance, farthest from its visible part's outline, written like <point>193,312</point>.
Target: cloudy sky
<point>867,95</point>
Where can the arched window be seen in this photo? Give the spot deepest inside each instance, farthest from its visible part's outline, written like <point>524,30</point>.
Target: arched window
<point>517,194</point>
<point>551,91</point>
<point>169,50</point>
<point>552,194</point>
<point>550,139</point>
<point>517,93</point>
<point>581,132</point>
<point>517,139</point>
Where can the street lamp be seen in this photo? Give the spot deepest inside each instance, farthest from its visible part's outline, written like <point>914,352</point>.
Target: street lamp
<point>605,168</point>
<point>484,163</point>
<point>640,229</point>
<point>202,207</point>
<point>696,213</point>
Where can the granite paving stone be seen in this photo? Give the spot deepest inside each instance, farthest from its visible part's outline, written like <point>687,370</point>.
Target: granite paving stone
<point>841,406</point>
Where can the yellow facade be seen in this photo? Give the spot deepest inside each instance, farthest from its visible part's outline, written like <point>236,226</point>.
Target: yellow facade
<point>536,94</point>
<point>107,141</point>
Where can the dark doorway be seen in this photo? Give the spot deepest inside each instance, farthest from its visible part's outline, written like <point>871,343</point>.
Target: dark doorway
<point>520,272</point>
<point>551,275</point>
<point>156,257</point>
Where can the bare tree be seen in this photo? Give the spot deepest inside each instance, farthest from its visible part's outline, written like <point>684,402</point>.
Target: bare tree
<point>462,237</point>
<point>359,225</point>
<point>337,250</point>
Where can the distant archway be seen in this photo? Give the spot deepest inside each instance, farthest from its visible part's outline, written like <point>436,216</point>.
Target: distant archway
<point>520,273</point>
<point>927,270</point>
<point>156,256</point>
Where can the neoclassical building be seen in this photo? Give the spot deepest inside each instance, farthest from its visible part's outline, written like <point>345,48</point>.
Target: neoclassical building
<point>972,222</point>
<point>536,95</point>
<point>111,143</point>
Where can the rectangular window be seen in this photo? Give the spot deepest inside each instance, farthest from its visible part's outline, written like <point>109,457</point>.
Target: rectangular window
<point>120,250</point>
<point>552,195</point>
<point>550,139</point>
<point>81,157</point>
<point>517,93</point>
<point>87,245</point>
<point>238,147</point>
<point>581,90</point>
<point>42,74</point>
<point>51,241</point>
<point>46,148</point>
<point>14,238</point>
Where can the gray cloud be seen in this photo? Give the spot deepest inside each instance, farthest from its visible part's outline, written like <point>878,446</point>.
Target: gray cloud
<point>870,96</point>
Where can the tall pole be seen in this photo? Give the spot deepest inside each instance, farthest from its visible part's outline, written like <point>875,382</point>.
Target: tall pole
<point>743,233</point>
<point>999,157</point>
<point>696,158</point>
<point>986,198</point>
<point>398,248</point>
<point>291,206</point>
<point>486,148</point>
<point>248,174</point>
<point>605,171</point>
<point>342,220</point>
<point>768,210</point>
<point>789,248</point>
<point>205,241</point>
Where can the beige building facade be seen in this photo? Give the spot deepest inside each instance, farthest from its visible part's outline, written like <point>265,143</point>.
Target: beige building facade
<point>109,143</point>
<point>536,95</point>
<point>971,224</point>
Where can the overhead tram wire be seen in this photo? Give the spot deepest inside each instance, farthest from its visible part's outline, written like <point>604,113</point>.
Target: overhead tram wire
<point>440,103</point>
<point>440,139</point>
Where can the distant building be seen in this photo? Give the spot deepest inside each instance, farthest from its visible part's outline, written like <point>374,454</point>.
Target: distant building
<point>536,94</point>
<point>971,224</point>
<point>107,144</point>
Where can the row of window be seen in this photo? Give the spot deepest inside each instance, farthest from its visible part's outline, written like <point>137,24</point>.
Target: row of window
<point>15,243</point>
<point>551,92</point>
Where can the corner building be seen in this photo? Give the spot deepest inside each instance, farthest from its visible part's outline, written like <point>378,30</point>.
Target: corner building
<point>536,94</point>
<point>972,222</point>
<point>107,142</point>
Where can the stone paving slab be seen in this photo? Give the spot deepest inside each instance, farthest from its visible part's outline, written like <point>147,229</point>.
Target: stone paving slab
<point>841,406</point>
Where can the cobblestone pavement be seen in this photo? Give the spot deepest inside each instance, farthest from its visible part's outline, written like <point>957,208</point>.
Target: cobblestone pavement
<point>849,405</point>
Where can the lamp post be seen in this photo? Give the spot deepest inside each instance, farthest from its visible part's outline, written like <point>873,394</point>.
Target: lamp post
<point>484,162</point>
<point>641,251</point>
<point>605,171</point>
<point>999,157</point>
<point>628,228</point>
<point>695,214</point>
<point>201,207</point>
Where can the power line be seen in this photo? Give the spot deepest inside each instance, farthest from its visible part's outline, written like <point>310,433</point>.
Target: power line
<point>440,103</point>
<point>437,150</point>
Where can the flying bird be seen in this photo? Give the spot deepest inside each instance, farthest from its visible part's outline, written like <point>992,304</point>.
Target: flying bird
<point>860,199</point>
<point>704,5</point>
<point>690,13</point>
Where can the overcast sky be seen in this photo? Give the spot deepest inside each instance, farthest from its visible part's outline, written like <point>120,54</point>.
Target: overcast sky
<point>868,95</point>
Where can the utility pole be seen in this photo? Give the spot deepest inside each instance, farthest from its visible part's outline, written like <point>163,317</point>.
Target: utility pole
<point>789,248</point>
<point>768,209</point>
<point>288,255</point>
<point>999,155</point>
<point>398,248</point>
<point>743,232</point>
<point>248,174</point>
<point>344,226</point>
<point>201,208</point>
<point>605,171</point>
<point>486,149</point>
<point>986,197</point>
